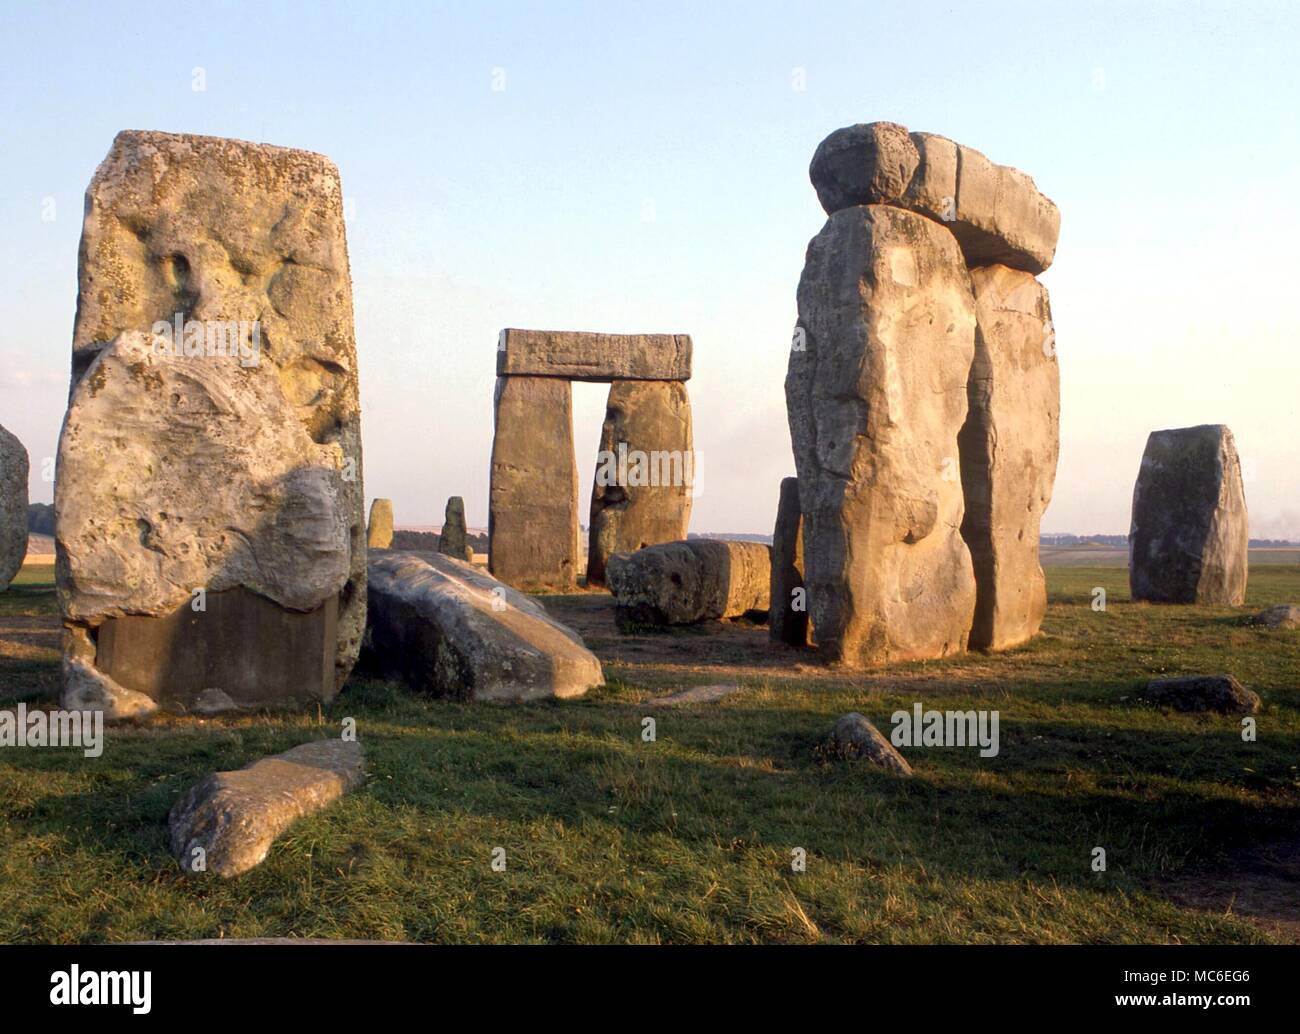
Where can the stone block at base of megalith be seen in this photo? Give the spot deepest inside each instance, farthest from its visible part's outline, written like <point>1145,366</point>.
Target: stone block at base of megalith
<point>447,628</point>
<point>645,469</point>
<point>1189,537</point>
<point>379,529</point>
<point>453,540</point>
<point>876,396</point>
<point>533,507</point>
<point>788,619</point>
<point>1009,447</point>
<point>13,507</point>
<point>210,539</point>
<point>680,583</point>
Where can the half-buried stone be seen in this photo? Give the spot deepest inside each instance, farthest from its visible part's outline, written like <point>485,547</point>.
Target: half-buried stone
<point>444,627</point>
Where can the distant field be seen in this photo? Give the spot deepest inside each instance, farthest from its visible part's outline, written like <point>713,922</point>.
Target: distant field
<point>1109,556</point>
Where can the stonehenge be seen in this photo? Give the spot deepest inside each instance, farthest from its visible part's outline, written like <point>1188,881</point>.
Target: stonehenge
<point>379,529</point>
<point>13,506</point>
<point>1189,536</point>
<point>636,501</point>
<point>453,540</point>
<point>923,346</point>
<point>644,471</point>
<point>210,540</point>
<point>788,618</point>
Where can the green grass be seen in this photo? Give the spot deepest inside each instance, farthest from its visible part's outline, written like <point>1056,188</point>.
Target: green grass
<point>689,838</point>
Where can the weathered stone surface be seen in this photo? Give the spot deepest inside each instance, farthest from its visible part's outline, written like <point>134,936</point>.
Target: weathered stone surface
<point>233,461</point>
<point>230,819</point>
<point>1189,537</point>
<point>533,502</point>
<point>996,212</point>
<point>696,695</point>
<point>379,531</point>
<point>1009,448</point>
<point>679,583</point>
<point>13,507</point>
<point>453,540</point>
<point>450,629</point>
<point>788,619</point>
<point>645,470</point>
<point>1283,615</point>
<point>1219,693</point>
<point>855,737</point>
<point>580,356</point>
<point>875,399</point>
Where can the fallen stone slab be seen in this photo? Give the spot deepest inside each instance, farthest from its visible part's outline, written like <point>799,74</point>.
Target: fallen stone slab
<point>379,532</point>
<point>1283,615</point>
<point>695,695</point>
<point>680,583</point>
<point>1189,537</point>
<point>581,356</point>
<point>855,737</point>
<point>447,628</point>
<point>996,212</point>
<point>1219,693</point>
<point>13,507</point>
<point>227,823</point>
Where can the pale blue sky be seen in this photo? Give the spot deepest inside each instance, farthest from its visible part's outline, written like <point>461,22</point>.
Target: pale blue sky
<point>645,169</point>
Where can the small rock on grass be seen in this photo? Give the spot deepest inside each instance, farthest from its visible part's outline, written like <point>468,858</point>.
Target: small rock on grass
<point>855,737</point>
<point>1222,694</point>
<point>1284,615</point>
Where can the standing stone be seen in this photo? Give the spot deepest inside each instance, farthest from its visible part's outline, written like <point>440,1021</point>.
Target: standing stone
<point>876,395</point>
<point>380,532</point>
<point>13,507</point>
<point>644,472</point>
<point>212,444</point>
<point>788,622</point>
<point>453,540</point>
<point>1009,448</point>
<point>533,511</point>
<point>1189,537</point>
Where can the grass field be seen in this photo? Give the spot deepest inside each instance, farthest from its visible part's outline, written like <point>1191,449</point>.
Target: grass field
<point>690,838</point>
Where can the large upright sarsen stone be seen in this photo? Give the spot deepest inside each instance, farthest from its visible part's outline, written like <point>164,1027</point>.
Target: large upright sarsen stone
<point>1189,538</point>
<point>645,469</point>
<point>1009,448</point>
<point>876,395</point>
<point>533,500</point>
<point>209,469</point>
